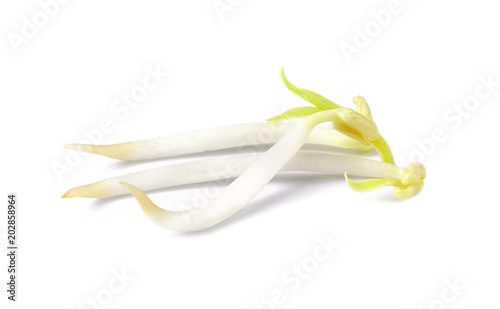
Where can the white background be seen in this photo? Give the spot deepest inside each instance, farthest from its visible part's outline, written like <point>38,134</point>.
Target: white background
<point>416,71</point>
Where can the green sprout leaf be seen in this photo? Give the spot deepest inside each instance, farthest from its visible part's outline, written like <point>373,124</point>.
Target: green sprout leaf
<point>369,184</point>
<point>358,126</point>
<point>312,97</point>
<point>298,112</point>
<point>408,186</point>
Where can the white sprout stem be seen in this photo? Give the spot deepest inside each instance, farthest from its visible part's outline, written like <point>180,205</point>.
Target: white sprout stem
<point>232,136</point>
<point>236,195</point>
<point>231,166</point>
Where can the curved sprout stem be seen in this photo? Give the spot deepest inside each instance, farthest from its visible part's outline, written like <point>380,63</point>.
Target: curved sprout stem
<point>236,195</point>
